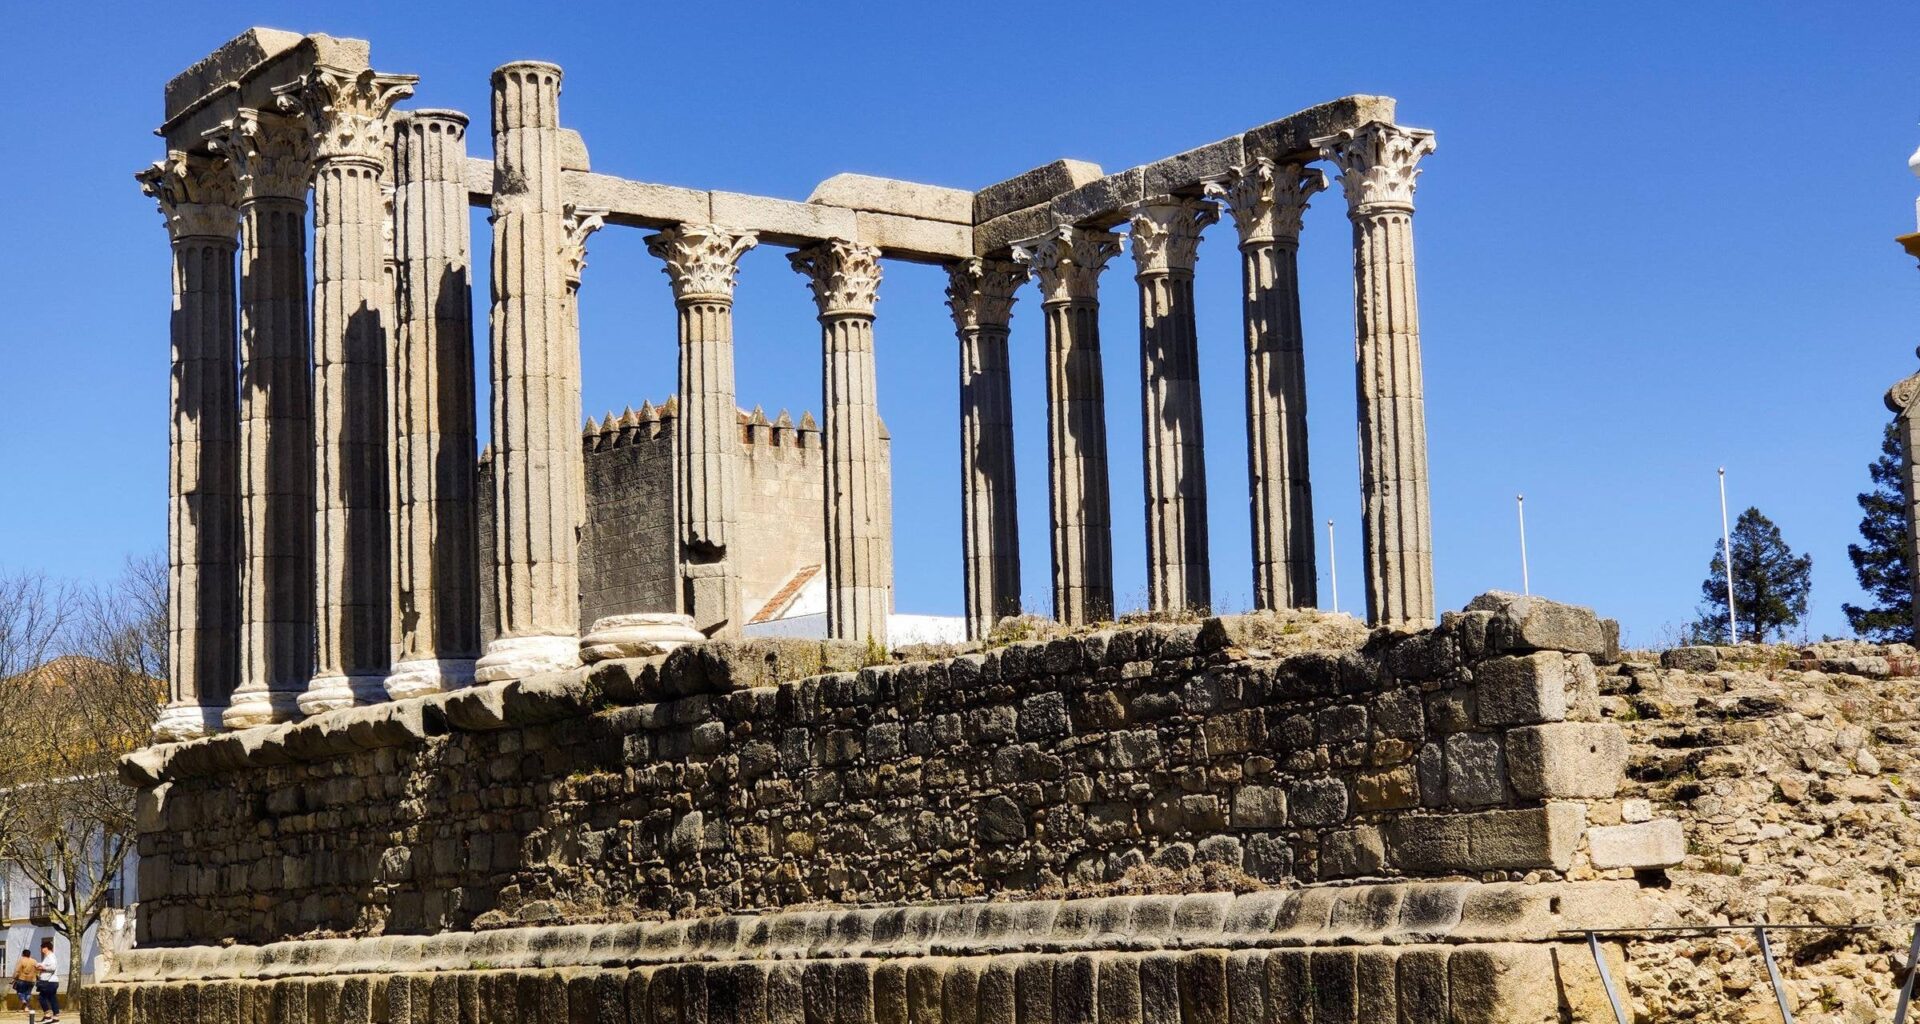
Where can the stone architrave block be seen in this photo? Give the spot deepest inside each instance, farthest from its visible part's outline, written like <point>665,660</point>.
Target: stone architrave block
<point>782,220</point>
<point>634,203</point>
<point>1526,690</point>
<point>1183,172</point>
<point>1033,188</point>
<point>913,237</point>
<point>998,235</point>
<point>1567,760</point>
<point>888,195</point>
<point>1291,136</point>
<point>1642,846</point>
<point>1101,203</point>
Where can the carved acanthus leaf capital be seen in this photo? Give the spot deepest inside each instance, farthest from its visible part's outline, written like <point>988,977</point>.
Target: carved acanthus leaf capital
<point>1900,398</point>
<point>980,292</point>
<point>1067,261</point>
<point>845,276</point>
<point>197,195</point>
<point>1378,164</point>
<point>1165,234</point>
<point>1267,199</point>
<point>702,260</point>
<point>581,223</point>
<point>271,154</point>
<point>346,111</point>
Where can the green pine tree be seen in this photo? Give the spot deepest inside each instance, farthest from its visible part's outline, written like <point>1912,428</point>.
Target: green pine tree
<point>1770,584</point>
<point>1883,562</point>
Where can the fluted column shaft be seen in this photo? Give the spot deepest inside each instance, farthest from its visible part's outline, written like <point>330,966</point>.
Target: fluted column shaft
<point>272,157</point>
<point>1267,202</point>
<point>197,197</point>
<point>1068,262</point>
<point>1165,239</point>
<point>537,462</point>
<point>1378,173</point>
<point>702,261</point>
<point>436,570</point>
<point>845,279</point>
<point>980,294</point>
<point>347,111</point>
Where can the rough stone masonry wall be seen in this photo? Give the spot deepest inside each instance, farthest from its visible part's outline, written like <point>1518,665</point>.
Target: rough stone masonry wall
<point>1794,771</point>
<point>688,785</point>
<point>1411,823</point>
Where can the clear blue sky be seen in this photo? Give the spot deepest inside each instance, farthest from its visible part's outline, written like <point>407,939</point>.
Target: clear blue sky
<point>1656,238</point>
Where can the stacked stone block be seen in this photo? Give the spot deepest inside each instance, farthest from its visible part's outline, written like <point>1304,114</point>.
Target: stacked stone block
<point>701,782</point>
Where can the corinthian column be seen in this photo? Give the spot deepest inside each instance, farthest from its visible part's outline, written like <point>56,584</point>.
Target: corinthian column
<point>1267,202</point>
<point>197,197</point>
<point>1903,400</point>
<point>1377,171</point>
<point>347,112</point>
<point>846,281</point>
<point>271,158</point>
<point>436,572</point>
<point>701,262</point>
<point>580,223</point>
<point>1166,241</point>
<point>537,467</point>
<point>1068,262</point>
<point>980,294</point>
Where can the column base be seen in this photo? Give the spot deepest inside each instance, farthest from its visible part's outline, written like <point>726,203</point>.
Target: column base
<point>517,657</point>
<point>260,707</point>
<point>331,693</point>
<point>641,635</point>
<point>179,722</point>
<point>428,676</point>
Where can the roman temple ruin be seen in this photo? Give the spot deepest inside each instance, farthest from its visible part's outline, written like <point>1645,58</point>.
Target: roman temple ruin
<point>325,545</point>
<point>455,738</point>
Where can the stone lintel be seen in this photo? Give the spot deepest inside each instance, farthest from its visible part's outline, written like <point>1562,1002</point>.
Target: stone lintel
<point>1033,188</point>
<point>230,62</point>
<point>1911,243</point>
<point>780,222</point>
<point>1290,138</point>
<point>996,237</point>
<point>867,193</point>
<point>1103,202</point>
<point>253,89</point>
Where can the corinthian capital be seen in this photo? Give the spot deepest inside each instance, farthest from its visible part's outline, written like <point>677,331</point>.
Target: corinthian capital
<point>845,276</point>
<point>1266,199</point>
<point>1901,396</point>
<point>701,259</point>
<point>581,222</point>
<point>1068,261</point>
<point>1378,163</point>
<point>197,195</point>
<point>271,155</point>
<point>980,292</point>
<point>346,110</point>
<point>1166,233</point>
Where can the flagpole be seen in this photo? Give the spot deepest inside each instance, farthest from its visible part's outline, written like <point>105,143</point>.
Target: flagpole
<point>1726,554</point>
<point>1333,566</point>
<point>1520,505</point>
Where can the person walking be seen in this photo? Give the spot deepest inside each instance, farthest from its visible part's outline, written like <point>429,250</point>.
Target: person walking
<point>48,984</point>
<point>25,973</point>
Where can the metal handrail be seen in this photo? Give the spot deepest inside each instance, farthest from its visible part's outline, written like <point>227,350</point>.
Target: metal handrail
<point>1593,936</point>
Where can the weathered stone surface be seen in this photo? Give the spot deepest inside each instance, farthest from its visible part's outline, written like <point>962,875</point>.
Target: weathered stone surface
<point>1033,188</point>
<point>1523,624</point>
<point>1292,137</point>
<point>1567,760</point>
<point>1522,690</point>
<point>1644,845</point>
<point>891,196</point>
<point>1100,203</point>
